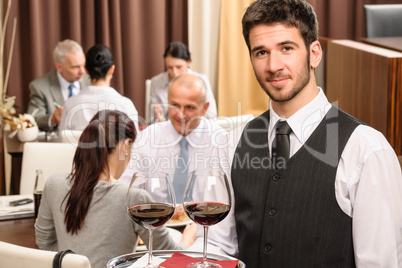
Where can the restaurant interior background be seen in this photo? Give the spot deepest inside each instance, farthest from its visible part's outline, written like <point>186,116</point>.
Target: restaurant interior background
<point>137,32</point>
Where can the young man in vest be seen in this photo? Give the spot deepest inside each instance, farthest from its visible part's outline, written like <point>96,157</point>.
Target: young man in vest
<point>336,199</point>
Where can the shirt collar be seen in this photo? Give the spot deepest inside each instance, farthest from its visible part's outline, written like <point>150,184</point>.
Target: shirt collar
<point>305,120</point>
<point>64,83</point>
<point>194,137</point>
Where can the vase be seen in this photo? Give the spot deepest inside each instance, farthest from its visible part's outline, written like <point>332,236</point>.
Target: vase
<point>28,134</point>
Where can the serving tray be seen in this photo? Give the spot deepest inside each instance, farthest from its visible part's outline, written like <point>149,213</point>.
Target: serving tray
<point>128,259</point>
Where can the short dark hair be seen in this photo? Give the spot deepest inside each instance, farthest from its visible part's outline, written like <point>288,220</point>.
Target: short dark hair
<point>177,50</point>
<point>99,59</point>
<point>295,13</point>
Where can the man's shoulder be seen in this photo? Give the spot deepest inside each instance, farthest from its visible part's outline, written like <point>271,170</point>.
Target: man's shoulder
<point>85,81</point>
<point>164,126</point>
<point>46,78</point>
<point>367,137</point>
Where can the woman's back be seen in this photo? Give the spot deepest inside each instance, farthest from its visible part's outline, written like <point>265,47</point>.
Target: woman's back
<point>107,232</point>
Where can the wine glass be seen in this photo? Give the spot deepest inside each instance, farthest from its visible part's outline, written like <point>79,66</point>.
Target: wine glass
<point>156,208</point>
<point>206,201</point>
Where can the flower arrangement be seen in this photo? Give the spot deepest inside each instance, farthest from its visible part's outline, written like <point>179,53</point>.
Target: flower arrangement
<point>24,127</point>
<point>23,121</point>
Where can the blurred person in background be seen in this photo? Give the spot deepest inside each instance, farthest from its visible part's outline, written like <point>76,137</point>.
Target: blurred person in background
<point>161,145</point>
<point>177,61</point>
<point>49,92</point>
<point>99,95</point>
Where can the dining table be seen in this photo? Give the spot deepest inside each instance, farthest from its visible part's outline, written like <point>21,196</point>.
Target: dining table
<point>18,232</point>
<point>389,42</point>
<point>22,231</point>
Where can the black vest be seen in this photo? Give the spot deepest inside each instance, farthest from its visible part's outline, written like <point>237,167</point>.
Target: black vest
<point>290,217</point>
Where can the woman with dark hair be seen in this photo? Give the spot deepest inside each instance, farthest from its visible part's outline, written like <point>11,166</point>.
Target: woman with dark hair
<point>79,109</point>
<point>85,211</point>
<point>177,61</point>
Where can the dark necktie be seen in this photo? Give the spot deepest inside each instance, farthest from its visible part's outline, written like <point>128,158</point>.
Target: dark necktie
<point>70,90</point>
<point>181,172</point>
<point>281,144</point>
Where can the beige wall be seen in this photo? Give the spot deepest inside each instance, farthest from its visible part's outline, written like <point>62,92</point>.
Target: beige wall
<point>203,37</point>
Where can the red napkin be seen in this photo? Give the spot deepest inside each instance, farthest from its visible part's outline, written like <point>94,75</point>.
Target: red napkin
<point>179,260</point>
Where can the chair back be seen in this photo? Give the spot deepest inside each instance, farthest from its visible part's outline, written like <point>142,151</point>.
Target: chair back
<point>51,157</point>
<point>21,257</point>
<point>148,100</point>
<point>383,20</point>
<point>230,123</point>
<point>70,136</point>
<point>2,165</point>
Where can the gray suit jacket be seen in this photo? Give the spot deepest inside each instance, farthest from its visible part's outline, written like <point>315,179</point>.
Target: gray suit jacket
<point>44,91</point>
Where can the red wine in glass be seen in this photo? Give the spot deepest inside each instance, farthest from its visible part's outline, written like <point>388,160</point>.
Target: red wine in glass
<point>156,206</point>
<point>151,215</point>
<point>207,213</point>
<point>206,201</point>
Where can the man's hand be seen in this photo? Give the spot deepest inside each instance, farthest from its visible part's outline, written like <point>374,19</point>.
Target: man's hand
<point>159,113</point>
<point>56,117</point>
<point>189,234</point>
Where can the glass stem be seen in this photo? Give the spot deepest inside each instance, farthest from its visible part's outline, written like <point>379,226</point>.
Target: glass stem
<point>151,239</point>
<point>204,255</point>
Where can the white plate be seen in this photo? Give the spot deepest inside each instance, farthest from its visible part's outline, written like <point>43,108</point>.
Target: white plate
<point>178,224</point>
<point>175,234</point>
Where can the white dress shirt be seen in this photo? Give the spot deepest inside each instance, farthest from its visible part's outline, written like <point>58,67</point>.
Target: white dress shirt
<point>157,148</point>
<point>78,110</point>
<point>368,187</point>
<point>64,84</point>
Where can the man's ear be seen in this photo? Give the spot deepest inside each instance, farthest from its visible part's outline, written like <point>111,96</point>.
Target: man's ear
<point>315,54</point>
<point>205,108</point>
<point>58,66</point>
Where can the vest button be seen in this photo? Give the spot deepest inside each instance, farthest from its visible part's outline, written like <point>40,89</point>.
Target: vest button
<point>267,248</point>
<point>276,177</point>
<point>272,212</point>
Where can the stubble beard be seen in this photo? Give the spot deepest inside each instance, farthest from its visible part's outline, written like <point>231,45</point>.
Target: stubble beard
<point>301,83</point>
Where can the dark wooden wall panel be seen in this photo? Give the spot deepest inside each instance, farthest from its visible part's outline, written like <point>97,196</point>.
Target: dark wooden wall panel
<point>366,82</point>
